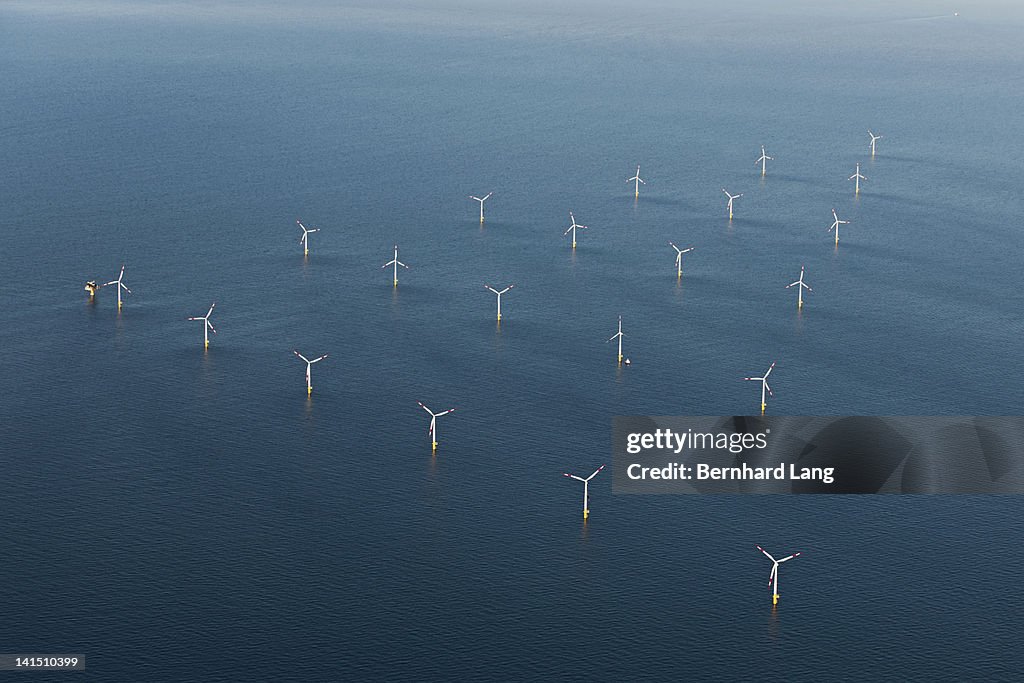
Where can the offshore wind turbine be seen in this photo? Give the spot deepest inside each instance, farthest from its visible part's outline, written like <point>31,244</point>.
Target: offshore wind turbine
<point>637,181</point>
<point>731,200</point>
<point>773,577</point>
<point>679,259</point>
<point>858,177</point>
<point>207,325</point>
<point>763,158</point>
<point>309,365</point>
<point>395,262</point>
<point>433,424</point>
<point>482,200</point>
<point>874,138</point>
<point>573,228</point>
<point>304,240</point>
<point>120,285</point>
<point>764,385</point>
<point>800,285</point>
<point>586,489</point>
<point>499,296</point>
<point>619,335</point>
<point>835,225</point>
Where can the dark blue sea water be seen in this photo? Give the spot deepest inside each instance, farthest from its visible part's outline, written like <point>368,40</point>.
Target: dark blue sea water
<point>175,515</point>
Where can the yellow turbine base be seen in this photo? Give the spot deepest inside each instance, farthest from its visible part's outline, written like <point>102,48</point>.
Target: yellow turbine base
<point>775,599</point>
<point>309,391</point>
<point>207,344</point>
<point>762,408</point>
<point>586,513</point>
<point>499,318</point>
<point>396,283</point>
<point>800,304</point>
<point>574,244</point>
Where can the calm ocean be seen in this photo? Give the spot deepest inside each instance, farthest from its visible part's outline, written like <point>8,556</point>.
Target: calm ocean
<point>175,515</point>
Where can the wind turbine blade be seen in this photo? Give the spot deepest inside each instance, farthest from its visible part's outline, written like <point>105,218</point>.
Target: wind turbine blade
<point>765,552</point>
<point>768,388</point>
<point>595,473</point>
<point>210,325</point>
<point>300,356</point>
<point>425,408</point>
<point>210,312</point>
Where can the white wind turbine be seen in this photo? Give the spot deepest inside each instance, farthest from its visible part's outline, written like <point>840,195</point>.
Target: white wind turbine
<point>395,262</point>
<point>433,424</point>
<point>874,138</point>
<point>800,285</point>
<point>763,158</point>
<point>732,198</point>
<point>573,228</point>
<point>120,285</point>
<point>586,489</point>
<point>499,296</point>
<point>764,386</point>
<point>618,335</point>
<point>637,181</point>
<point>482,200</point>
<point>857,177</point>
<point>773,577</point>
<point>207,325</point>
<point>679,258</point>
<point>309,366</point>
<point>835,225</point>
<point>304,240</point>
